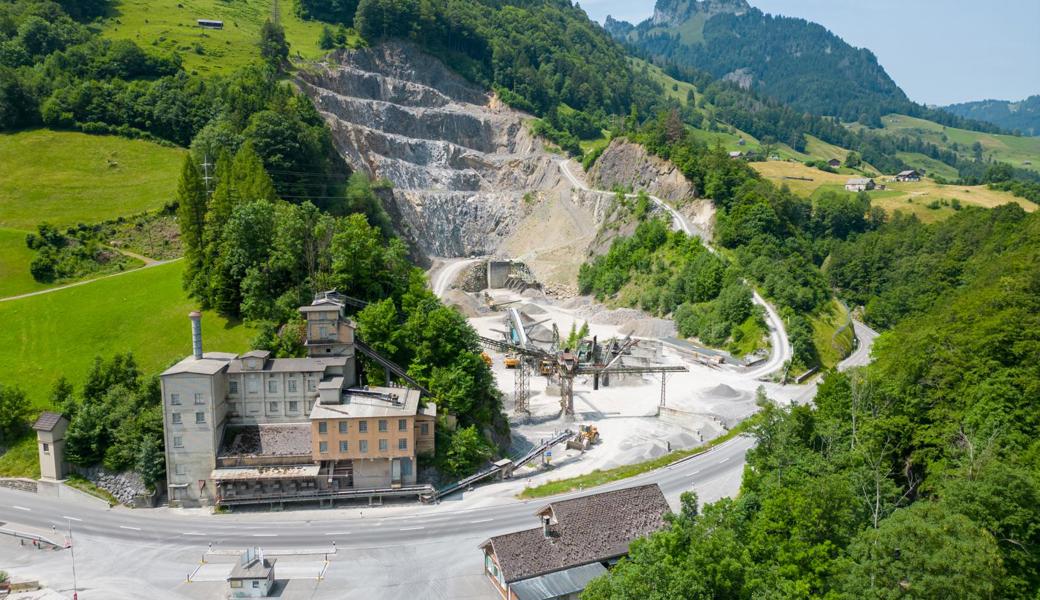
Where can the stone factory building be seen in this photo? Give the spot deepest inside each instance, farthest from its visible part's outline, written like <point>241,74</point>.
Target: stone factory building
<point>251,429</point>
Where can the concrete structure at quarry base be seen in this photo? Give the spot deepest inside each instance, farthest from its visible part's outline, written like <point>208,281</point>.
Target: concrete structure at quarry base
<point>251,429</point>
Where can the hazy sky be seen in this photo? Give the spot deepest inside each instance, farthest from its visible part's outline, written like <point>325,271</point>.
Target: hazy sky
<point>938,51</point>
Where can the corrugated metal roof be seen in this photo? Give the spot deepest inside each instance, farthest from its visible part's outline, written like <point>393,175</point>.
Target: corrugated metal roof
<point>557,584</point>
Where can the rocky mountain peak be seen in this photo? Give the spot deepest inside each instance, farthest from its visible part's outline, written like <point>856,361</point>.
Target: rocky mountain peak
<point>670,13</point>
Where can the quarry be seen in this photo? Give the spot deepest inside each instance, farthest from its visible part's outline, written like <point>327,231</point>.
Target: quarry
<point>506,221</point>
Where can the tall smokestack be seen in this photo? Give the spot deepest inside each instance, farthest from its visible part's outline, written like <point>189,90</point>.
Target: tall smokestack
<point>196,333</point>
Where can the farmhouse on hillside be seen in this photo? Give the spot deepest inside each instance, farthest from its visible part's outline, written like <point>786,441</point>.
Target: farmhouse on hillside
<point>577,541</point>
<point>908,175</point>
<point>834,163</point>
<point>859,184</point>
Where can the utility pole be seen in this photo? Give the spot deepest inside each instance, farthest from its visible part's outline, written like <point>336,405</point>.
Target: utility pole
<point>205,174</point>
<point>72,550</point>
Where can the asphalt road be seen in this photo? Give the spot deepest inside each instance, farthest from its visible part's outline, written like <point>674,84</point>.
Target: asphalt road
<point>308,528</point>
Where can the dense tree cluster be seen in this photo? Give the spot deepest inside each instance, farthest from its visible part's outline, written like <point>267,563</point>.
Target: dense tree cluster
<point>116,419</point>
<point>915,477</point>
<point>906,266</point>
<point>676,274</point>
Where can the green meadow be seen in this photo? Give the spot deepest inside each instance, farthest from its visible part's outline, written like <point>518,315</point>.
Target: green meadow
<point>143,311</point>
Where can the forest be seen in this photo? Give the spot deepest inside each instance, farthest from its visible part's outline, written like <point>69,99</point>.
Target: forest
<point>917,476</point>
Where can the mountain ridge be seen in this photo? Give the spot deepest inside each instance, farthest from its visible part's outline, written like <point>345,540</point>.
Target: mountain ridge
<point>1022,115</point>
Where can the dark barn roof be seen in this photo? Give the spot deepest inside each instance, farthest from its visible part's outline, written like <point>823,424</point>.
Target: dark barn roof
<point>584,530</point>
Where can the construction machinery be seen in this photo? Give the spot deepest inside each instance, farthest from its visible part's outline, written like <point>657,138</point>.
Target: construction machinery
<point>587,436</point>
<point>511,361</point>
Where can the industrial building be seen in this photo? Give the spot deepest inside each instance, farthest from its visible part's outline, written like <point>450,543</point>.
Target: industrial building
<point>252,429</point>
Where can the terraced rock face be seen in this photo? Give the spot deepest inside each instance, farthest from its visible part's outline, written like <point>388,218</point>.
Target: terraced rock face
<point>468,176</point>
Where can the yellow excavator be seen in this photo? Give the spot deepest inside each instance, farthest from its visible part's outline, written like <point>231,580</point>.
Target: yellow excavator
<point>511,361</point>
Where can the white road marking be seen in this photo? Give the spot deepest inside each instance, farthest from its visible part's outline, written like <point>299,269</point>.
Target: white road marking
<point>724,460</point>
<point>482,521</point>
<point>265,535</point>
<point>71,518</point>
<point>21,508</point>
<point>695,472</point>
<point>130,528</point>
<point>192,533</point>
<point>338,533</point>
<point>411,528</point>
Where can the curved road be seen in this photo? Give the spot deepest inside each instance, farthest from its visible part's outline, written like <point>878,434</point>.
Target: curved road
<point>295,529</point>
<point>781,346</point>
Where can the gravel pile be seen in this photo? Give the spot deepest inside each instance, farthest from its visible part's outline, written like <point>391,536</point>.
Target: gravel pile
<point>124,486</point>
<point>649,327</point>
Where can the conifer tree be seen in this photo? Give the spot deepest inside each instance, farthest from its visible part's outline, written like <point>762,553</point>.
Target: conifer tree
<point>250,180</point>
<point>191,214</point>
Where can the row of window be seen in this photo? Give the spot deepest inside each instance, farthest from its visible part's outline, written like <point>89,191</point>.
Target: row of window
<point>176,398</point>
<point>253,387</point>
<point>200,418</point>
<point>383,425</point>
<point>344,446</point>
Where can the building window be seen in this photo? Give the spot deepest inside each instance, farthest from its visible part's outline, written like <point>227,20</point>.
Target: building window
<point>178,441</point>
<point>362,426</point>
<point>382,424</point>
<point>424,429</point>
<point>46,448</point>
<point>343,446</point>
<point>175,398</point>
<point>252,384</point>
<point>342,426</point>
<point>323,427</point>
<point>310,385</point>
<point>363,446</point>
<point>383,445</point>
<point>272,387</point>
<point>273,406</point>
<point>236,583</point>
<point>323,333</point>
<point>200,417</point>
<point>175,418</point>
<point>294,406</point>
<point>323,447</point>
<point>402,424</point>
<point>291,385</point>
<point>180,469</point>
<point>406,467</point>
<point>232,387</point>
<point>198,398</point>
<point>402,444</point>
<point>256,584</point>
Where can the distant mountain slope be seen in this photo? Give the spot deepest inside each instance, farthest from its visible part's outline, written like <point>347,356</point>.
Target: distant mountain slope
<point>1023,116</point>
<point>792,60</point>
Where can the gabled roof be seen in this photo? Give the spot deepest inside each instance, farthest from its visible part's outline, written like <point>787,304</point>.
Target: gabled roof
<point>907,173</point>
<point>584,530</point>
<point>48,421</point>
<point>859,181</point>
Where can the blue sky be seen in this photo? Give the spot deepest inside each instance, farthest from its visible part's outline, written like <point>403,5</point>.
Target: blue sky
<point>938,51</point>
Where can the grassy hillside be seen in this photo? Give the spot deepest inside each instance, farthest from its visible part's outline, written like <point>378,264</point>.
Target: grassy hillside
<point>908,197</point>
<point>143,311</point>
<point>1007,148</point>
<point>15,257</point>
<point>67,178</point>
<point>170,25</point>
